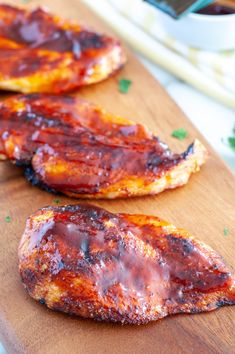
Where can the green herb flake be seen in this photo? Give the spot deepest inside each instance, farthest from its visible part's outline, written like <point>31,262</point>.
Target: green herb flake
<point>8,218</point>
<point>180,134</point>
<point>226,231</point>
<point>231,141</point>
<point>124,85</point>
<point>25,1</point>
<point>56,201</point>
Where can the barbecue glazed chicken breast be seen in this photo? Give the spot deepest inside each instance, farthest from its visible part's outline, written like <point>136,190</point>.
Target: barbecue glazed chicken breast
<point>40,52</point>
<point>71,146</point>
<point>86,261</point>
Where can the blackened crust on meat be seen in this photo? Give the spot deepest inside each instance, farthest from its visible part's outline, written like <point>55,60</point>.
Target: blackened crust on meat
<point>32,178</point>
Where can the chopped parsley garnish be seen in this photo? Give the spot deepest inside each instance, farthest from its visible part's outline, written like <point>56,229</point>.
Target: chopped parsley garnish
<point>56,201</point>
<point>8,218</point>
<point>226,231</point>
<point>124,85</point>
<point>180,133</point>
<point>231,142</point>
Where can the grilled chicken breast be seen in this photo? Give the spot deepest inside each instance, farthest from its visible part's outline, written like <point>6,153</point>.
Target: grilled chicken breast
<point>71,146</point>
<point>40,52</point>
<point>86,261</point>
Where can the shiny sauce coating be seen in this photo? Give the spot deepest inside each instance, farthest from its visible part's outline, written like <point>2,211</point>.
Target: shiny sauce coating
<point>75,146</point>
<point>39,29</point>
<point>119,267</point>
<point>53,55</point>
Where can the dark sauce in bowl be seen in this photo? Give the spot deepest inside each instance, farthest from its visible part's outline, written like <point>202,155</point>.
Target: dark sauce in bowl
<point>216,9</point>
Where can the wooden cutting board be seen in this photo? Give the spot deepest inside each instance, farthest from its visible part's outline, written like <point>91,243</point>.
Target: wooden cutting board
<point>205,207</point>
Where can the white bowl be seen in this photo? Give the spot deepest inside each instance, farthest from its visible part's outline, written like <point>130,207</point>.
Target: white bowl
<point>210,32</point>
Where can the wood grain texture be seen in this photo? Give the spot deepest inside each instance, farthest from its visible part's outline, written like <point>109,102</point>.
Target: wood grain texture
<point>205,207</point>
